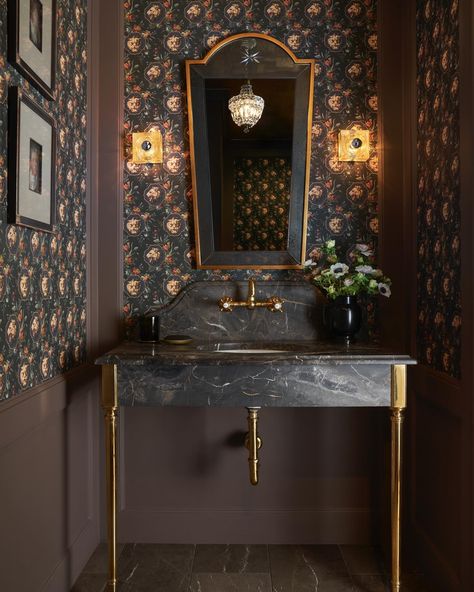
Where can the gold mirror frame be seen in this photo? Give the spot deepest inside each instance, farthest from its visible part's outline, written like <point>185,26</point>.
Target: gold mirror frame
<point>301,61</point>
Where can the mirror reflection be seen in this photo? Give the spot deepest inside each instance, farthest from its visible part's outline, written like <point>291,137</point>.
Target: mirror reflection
<point>250,110</point>
<point>250,169</point>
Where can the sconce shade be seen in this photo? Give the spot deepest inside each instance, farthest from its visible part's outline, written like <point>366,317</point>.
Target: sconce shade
<point>147,147</point>
<point>354,145</point>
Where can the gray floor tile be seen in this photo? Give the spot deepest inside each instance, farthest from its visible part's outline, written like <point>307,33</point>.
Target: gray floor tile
<point>244,568</point>
<point>335,584</point>
<point>231,559</point>
<point>230,582</point>
<point>162,579</point>
<point>370,583</point>
<point>361,560</point>
<point>304,567</point>
<point>410,583</point>
<point>169,560</point>
<point>90,583</point>
<point>98,561</point>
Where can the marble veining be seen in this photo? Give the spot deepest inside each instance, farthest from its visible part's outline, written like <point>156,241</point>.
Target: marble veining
<point>195,312</point>
<point>284,359</point>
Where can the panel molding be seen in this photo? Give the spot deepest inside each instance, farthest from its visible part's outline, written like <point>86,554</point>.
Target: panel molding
<point>108,150</point>
<point>54,424</point>
<point>439,570</point>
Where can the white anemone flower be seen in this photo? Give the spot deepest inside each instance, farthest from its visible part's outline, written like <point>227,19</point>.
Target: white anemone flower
<point>339,269</point>
<point>384,289</point>
<point>367,269</point>
<point>364,249</point>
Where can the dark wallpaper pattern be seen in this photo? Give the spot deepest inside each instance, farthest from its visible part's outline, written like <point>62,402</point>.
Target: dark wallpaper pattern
<point>43,333</point>
<point>158,234</point>
<point>261,203</point>
<point>439,257</point>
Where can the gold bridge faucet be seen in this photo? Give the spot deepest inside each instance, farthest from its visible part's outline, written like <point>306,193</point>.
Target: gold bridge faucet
<point>273,304</point>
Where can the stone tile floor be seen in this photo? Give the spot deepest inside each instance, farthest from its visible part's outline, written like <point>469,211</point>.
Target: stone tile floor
<point>244,568</point>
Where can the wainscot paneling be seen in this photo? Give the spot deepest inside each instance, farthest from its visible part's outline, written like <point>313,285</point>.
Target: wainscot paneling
<point>185,476</point>
<point>49,495</point>
<point>437,462</point>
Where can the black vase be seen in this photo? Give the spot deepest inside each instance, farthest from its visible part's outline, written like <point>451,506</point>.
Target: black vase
<point>342,318</point>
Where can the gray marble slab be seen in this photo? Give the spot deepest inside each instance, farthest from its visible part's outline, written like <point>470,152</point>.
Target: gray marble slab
<point>195,312</point>
<point>308,567</point>
<point>231,559</point>
<point>258,385</point>
<point>282,359</point>
<point>224,582</point>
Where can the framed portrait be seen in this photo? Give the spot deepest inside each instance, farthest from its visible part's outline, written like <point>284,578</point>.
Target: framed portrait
<point>32,41</point>
<point>31,163</point>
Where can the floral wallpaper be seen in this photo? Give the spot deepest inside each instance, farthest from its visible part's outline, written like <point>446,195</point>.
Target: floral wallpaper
<point>159,36</point>
<point>438,208</point>
<point>42,276</point>
<point>261,203</point>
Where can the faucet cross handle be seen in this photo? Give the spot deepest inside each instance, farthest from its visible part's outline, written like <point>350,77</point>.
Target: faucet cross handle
<point>226,304</point>
<point>275,304</point>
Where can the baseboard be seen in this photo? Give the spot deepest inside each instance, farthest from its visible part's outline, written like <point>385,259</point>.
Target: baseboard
<point>289,526</point>
<point>71,565</point>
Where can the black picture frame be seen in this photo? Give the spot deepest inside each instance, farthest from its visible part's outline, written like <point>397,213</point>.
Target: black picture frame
<point>23,181</point>
<point>28,65</point>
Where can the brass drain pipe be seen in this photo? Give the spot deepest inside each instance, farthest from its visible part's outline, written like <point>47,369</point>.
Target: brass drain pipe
<point>253,443</point>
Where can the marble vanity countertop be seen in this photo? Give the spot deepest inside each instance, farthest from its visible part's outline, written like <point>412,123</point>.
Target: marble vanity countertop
<point>281,353</point>
<point>251,356</point>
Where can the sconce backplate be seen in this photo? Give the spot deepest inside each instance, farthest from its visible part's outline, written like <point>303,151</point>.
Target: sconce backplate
<point>147,147</point>
<point>354,145</point>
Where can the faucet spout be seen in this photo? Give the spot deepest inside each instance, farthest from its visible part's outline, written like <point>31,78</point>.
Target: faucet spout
<point>251,300</point>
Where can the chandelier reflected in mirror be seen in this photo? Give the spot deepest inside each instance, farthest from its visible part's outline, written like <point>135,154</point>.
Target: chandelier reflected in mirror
<point>246,108</point>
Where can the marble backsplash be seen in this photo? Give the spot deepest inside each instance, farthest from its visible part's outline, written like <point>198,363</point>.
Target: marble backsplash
<point>195,312</point>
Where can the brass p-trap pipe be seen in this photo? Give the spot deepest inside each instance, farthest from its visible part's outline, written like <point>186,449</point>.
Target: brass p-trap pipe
<point>253,443</point>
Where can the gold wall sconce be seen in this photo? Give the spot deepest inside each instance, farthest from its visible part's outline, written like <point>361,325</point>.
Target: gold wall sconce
<point>354,145</point>
<point>147,147</point>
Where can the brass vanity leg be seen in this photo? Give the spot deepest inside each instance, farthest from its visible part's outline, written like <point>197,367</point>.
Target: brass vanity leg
<point>397,409</point>
<point>110,406</point>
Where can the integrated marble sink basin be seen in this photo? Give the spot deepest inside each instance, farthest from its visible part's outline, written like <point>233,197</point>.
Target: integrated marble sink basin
<point>250,348</point>
<point>251,351</point>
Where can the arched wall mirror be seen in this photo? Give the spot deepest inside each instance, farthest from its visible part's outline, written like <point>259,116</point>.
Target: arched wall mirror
<point>250,115</point>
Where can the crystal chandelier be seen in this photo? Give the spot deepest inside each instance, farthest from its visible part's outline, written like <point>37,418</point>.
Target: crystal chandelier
<point>246,108</point>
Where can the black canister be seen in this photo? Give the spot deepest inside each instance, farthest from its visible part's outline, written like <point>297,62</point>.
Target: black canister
<point>149,328</point>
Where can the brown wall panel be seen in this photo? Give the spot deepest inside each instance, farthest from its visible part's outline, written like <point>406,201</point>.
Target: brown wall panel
<point>185,476</point>
<point>437,522</point>
<point>438,480</point>
<point>49,495</point>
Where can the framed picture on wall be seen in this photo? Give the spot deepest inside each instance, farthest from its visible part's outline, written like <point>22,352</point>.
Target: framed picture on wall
<point>32,41</point>
<point>31,163</point>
